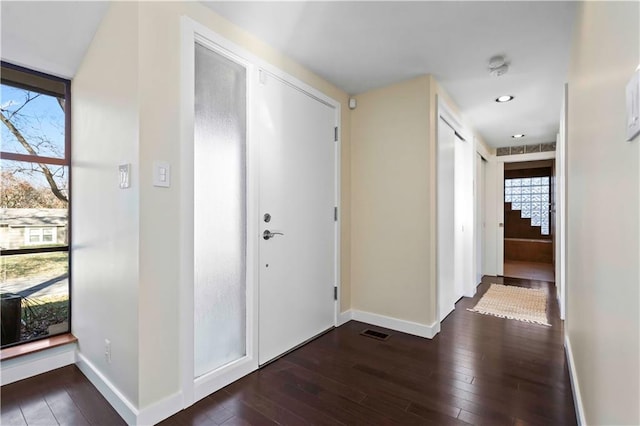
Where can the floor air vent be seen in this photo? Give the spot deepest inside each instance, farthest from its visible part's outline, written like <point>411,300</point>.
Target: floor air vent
<point>375,334</point>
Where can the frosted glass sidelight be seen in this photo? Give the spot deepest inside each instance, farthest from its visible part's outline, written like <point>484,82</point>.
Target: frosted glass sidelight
<point>219,211</point>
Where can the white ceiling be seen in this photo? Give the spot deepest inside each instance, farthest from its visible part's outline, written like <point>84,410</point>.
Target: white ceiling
<point>49,36</point>
<point>360,46</point>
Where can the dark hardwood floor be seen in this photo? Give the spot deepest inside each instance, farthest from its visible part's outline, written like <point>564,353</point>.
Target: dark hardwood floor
<point>62,396</point>
<point>479,370</point>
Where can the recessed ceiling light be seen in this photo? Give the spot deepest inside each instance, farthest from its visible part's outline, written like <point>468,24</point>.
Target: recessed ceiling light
<point>518,136</point>
<point>504,98</point>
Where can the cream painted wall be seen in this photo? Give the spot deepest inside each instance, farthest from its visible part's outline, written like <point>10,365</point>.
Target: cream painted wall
<point>393,187</point>
<point>603,189</point>
<point>159,67</point>
<point>391,244</point>
<point>105,218</point>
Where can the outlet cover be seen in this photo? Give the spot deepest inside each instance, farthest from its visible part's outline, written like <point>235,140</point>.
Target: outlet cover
<point>124,171</point>
<point>633,106</point>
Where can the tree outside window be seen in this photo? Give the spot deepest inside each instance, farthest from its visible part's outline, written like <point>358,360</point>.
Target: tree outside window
<point>34,205</point>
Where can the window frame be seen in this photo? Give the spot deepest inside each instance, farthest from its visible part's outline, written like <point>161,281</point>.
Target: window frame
<point>64,161</point>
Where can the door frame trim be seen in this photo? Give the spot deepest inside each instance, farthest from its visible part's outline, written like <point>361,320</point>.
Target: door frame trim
<point>194,389</point>
<point>499,161</point>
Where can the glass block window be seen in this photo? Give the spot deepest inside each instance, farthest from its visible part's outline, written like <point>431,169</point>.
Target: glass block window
<point>531,197</point>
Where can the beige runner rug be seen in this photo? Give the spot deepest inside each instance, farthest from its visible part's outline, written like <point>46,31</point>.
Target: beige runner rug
<point>518,303</point>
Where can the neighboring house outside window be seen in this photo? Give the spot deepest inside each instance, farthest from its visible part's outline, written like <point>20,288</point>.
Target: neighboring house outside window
<point>34,205</point>
<point>39,236</point>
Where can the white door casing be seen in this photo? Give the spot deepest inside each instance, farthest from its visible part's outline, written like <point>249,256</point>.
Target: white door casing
<point>497,215</point>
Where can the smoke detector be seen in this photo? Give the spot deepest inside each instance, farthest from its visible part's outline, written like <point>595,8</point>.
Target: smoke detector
<point>498,66</point>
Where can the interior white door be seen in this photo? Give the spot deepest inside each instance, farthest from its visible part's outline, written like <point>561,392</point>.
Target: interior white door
<point>500,215</point>
<point>480,211</point>
<point>446,230</point>
<point>295,133</point>
<point>463,216</point>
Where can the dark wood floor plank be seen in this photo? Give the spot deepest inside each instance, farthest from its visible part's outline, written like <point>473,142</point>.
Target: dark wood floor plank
<point>12,416</point>
<point>92,404</point>
<point>64,409</point>
<point>273,392</point>
<point>37,412</point>
<point>272,410</point>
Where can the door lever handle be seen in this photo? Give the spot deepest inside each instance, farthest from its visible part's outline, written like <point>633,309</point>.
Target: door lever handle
<point>268,234</point>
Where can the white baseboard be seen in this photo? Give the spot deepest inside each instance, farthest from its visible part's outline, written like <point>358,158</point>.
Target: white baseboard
<point>344,317</point>
<point>36,363</point>
<point>575,385</point>
<point>160,410</point>
<point>404,326</point>
<point>118,401</point>
<point>149,415</point>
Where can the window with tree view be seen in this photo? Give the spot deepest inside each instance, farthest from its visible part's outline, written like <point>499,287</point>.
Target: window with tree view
<point>34,211</point>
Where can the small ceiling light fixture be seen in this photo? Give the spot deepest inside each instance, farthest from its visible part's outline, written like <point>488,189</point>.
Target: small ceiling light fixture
<point>504,98</point>
<point>498,66</point>
<point>518,136</point>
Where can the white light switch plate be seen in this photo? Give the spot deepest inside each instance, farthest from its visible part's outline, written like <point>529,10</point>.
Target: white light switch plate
<point>633,106</point>
<point>161,174</point>
<point>124,175</point>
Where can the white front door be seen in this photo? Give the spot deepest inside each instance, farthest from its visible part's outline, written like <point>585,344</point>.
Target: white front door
<point>295,135</point>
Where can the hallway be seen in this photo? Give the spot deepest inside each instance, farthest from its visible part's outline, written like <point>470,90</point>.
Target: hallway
<point>478,370</point>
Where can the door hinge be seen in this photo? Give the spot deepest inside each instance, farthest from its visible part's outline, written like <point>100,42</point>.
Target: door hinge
<point>335,214</point>
<point>335,293</point>
<point>335,134</point>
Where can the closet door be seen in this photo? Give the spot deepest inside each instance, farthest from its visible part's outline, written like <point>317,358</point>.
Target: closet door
<point>446,219</point>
